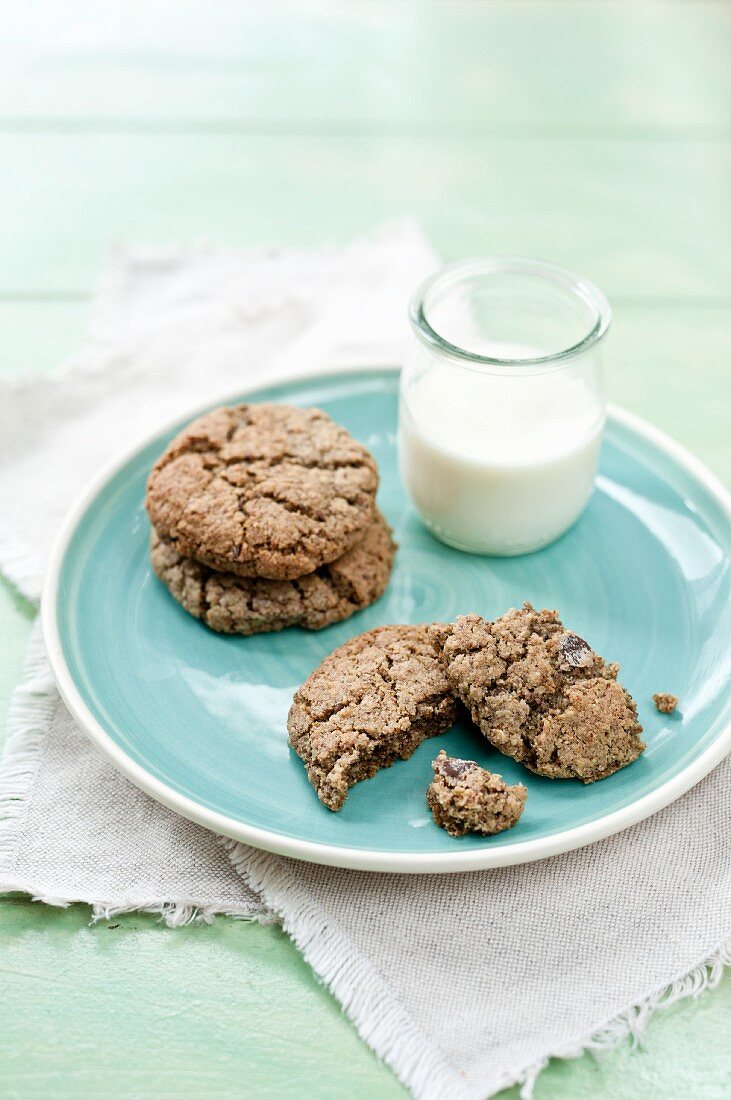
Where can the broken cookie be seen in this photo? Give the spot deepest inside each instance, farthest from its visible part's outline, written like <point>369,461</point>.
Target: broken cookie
<point>540,694</point>
<point>371,702</point>
<point>465,798</point>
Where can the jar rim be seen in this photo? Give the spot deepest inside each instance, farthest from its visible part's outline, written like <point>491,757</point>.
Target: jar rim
<point>581,288</point>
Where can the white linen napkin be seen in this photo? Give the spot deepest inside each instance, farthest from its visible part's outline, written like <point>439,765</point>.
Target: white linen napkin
<point>464,984</point>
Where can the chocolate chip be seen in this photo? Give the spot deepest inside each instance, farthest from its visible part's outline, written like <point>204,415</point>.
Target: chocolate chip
<point>453,768</point>
<point>574,651</point>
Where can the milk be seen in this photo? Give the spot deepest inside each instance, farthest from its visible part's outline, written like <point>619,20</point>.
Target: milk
<point>499,463</point>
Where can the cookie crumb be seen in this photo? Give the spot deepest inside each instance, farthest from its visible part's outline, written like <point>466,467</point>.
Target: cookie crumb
<point>466,798</point>
<point>665,702</point>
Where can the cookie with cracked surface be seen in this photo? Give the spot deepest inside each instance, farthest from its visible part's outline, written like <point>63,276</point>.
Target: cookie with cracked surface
<point>540,694</point>
<point>465,798</point>
<point>253,605</point>
<point>371,702</point>
<point>263,490</point>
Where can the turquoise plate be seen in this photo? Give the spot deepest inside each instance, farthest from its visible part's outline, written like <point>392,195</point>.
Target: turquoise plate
<point>199,720</point>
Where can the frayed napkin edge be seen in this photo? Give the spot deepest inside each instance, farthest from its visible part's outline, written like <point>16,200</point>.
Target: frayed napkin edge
<point>384,1024</point>
<point>630,1024</point>
<point>175,914</point>
<point>29,715</point>
<point>381,1021</point>
<point>365,998</point>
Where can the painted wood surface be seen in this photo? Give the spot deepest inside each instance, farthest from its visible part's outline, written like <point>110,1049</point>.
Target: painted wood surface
<point>593,132</point>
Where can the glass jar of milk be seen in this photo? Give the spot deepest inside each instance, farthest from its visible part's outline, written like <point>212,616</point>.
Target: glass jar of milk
<point>501,404</point>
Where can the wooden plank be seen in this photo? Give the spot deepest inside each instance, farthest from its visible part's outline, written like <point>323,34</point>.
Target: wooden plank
<point>670,365</point>
<point>655,356</point>
<point>132,1009</point>
<point>16,616</point>
<point>647,219</point>
<point>593,66</point>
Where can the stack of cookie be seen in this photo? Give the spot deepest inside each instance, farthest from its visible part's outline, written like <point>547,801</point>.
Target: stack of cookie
<point>264,516</point>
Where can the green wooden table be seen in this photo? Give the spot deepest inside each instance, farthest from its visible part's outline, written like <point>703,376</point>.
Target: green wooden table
<point>589,132</point>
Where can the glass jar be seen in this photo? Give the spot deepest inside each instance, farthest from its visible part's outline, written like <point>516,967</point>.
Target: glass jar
<point>502,410</point>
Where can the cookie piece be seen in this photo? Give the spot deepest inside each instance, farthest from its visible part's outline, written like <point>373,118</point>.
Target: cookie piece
<point>465,798</point>
<point>263,490</point>
<point>665,702</point>
<point>540,694</point>
<point>370,703</point>
<point>253,605</point>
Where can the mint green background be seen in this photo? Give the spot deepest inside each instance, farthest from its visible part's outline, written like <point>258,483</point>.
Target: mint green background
<point>589,132</point>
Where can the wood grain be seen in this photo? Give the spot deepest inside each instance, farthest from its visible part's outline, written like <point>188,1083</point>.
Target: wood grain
<point>569,65</point>
<point>591,132</point>
<point>644,219</point>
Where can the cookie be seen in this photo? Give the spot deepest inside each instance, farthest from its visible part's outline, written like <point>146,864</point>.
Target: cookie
<point>253,605</point>
<point>263,490</point>
<point>540,694</point>
<point>371,702</point>
<point>465,798</point>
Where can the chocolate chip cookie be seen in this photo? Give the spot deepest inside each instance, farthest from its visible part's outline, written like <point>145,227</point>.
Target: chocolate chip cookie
<point>540,694</point>
<point>253,605</point>
<point>371,702</point>
<point>465,798</point>
<point>263,490</point>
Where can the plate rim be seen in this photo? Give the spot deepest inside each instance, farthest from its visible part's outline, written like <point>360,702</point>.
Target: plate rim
<point>331,854</point>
